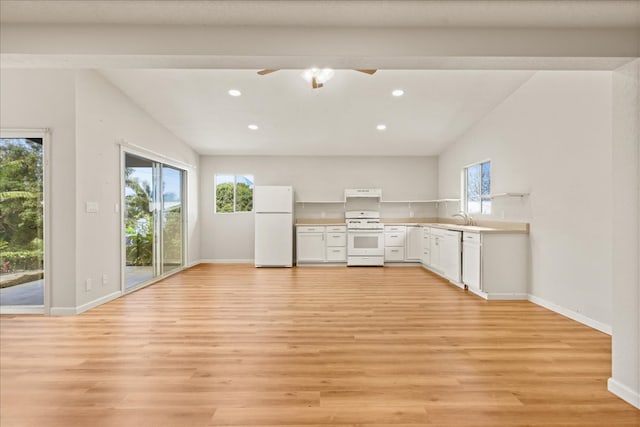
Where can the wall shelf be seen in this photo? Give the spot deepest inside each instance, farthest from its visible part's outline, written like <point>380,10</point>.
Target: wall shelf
<point>335,202</point>
<point>421,201</point>
<point>497,195</point>
<point>320,202</point>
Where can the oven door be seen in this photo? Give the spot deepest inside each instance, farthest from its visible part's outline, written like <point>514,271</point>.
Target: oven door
<point>365,243</point>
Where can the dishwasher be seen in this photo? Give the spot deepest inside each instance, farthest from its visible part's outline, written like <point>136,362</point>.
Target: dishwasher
<point>471,260</point>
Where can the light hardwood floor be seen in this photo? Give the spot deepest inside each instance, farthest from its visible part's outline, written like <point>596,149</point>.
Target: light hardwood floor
<point>234,345</point>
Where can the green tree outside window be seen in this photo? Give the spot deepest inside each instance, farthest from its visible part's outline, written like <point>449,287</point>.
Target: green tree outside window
<point>234,193</point>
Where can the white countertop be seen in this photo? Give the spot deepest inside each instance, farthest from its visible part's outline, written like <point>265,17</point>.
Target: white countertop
<point>446,226</point>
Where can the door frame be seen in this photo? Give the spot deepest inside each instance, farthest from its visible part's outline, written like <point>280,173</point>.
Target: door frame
<point>45,134</point>
<point>154,157</point>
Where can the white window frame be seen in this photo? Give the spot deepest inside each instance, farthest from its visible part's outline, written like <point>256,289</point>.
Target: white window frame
<point>45,134</point>
<point>463,188</point>
<point>136,150</point>
<point>235,183</point>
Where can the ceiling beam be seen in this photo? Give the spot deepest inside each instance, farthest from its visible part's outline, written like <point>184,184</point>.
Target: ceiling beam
<point>157,46</point>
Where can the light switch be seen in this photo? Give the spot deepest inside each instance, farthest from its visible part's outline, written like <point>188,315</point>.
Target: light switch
<point>91,207</point>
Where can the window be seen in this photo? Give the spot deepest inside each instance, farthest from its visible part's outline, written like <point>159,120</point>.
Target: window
<point>234,193</point>
<point>477,188</point>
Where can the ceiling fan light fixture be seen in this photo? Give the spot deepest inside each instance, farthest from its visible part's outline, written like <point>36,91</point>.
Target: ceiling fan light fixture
<point>319,75</point>
<point>381,127</point>
<point>234,92</point>
<point>397,92</point>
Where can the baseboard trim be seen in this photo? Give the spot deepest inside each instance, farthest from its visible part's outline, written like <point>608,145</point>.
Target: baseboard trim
<point>403,264</point>
<point>16,309</point>
<point>70,311</point>
<point>571,314</point>
<point>62,311</point>
<point>226,261</point>
<point>99,301</point>
<point>507,297</point>
<point>623,392</point>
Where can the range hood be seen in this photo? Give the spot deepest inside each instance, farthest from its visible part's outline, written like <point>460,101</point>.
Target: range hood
<point>372,193</point>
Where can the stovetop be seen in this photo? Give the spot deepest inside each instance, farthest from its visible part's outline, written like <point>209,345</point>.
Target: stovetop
<point>363,220</point>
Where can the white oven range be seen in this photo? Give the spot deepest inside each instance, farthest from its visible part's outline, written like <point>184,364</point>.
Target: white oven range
<point>365,238</point>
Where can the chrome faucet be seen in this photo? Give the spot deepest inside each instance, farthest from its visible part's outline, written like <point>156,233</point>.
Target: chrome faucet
<point>465,217</point>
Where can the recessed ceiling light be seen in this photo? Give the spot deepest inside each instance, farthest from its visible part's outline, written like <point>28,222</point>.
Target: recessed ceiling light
<point>397,92</point>
<point>381,127</point>
<point>234,92</point>
<point>253,127</point>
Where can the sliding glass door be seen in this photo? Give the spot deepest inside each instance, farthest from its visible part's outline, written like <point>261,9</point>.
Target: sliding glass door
<point>153,220</point>
<point>172,218</point>
<point>21,222</point>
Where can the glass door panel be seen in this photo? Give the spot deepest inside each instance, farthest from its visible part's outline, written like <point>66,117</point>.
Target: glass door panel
<point>172,219</point>
<point>21,222</point>
<point>139,220</point>
<point>153,220</point>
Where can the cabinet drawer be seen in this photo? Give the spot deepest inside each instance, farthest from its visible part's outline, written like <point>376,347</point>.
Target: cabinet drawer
<point>336,239</point>
<point>394,254</point>
<point>336,254</point>
<point>310,228</point>
<point>337,228</point>
<point>388,228</point>
<point>394,239</point>
<point>471,237</point>
<point>438,232</point>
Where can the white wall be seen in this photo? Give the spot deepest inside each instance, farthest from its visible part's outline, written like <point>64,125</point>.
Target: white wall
<point>230,236</point>
<point>87,117</point>
<point>105,116</point>
<point>625,378</point>
<point>45,99</point>
<point>552,137</point>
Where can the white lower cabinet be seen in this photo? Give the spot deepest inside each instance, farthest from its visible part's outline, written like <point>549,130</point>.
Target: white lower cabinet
<point>471,246</point>
<point>441,252</point>
<point>495,266</point>
<point>310,244</point>
<point>425,258</point>
<point>451,255</point>
<point>436,241</point>
<point>336,254</point>
<point>394,254</point>
<point>394,242</point>
<point>336,249</point>
<point>321,244</point>
<point>413,243</point>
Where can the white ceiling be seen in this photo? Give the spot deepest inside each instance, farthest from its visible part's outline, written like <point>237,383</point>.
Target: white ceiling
<point>402,13</point>
<point>338,119</point>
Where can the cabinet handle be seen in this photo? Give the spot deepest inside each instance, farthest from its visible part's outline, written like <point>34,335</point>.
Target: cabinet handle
<point>336,250</point>
<point>394,237</point>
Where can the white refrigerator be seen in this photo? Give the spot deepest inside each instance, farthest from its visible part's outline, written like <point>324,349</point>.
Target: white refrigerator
<point>273,207</point>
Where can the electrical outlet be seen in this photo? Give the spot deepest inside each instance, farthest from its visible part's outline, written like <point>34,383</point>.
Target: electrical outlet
<point>87,285</point>
<point>105,280</point>
<point>410,214</point>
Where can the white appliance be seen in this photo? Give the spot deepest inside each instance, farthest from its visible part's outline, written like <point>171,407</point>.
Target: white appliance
<point>273,207</point>
<point>365,238</point>
<point>373,193</point>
